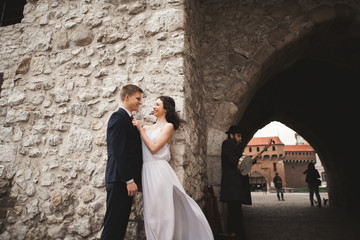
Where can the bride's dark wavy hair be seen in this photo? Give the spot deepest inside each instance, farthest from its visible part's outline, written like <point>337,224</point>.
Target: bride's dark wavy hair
<point>171,115</point>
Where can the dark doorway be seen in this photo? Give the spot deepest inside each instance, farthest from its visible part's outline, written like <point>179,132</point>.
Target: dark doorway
<point>11,11</point>
<point>256,181</point>
<point>1,80</point>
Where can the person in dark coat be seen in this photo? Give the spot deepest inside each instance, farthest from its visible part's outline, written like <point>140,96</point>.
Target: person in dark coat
<point>278,185</point>
<point>313,181</point>
<point>235,188</point>
<point>123,169</point>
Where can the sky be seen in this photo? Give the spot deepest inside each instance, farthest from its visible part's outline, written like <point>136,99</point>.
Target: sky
<point>277,129</point>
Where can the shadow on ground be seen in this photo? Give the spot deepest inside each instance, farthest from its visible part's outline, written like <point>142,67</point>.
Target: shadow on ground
<point>295,219</point>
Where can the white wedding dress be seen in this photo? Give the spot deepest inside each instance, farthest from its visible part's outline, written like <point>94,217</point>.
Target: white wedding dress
<point>169,213</point>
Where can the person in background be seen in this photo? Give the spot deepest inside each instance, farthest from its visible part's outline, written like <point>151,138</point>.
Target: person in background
<point>264,186</point>
<point>313,181</point>
<point>278,185</point>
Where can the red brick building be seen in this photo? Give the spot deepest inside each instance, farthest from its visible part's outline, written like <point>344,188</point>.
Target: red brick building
<point>268,164</point>
<point>290,161</point>
<point>297,157</point>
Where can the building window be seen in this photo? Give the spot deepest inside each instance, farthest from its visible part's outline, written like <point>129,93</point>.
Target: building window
<point>274,164</point>
<point>258,149</point>
<point>11,12</point>
<point>273,147</point>
<point>250,150</point>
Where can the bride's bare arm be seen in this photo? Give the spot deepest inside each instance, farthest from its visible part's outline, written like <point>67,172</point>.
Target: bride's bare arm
<point>160,141</point>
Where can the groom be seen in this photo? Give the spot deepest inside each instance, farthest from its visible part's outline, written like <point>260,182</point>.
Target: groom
<point>123,169</point>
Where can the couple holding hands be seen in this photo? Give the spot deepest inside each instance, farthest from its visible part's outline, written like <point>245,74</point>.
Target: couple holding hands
<point>139,156</point>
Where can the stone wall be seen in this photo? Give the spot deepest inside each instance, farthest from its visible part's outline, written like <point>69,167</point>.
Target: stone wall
<point>62,69</point>
<point>194,101</point>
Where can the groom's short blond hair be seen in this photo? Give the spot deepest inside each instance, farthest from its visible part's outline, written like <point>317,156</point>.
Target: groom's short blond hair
<point>130,90</point>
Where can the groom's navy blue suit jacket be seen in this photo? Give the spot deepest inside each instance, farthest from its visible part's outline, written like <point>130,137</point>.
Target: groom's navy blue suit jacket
<point>124,149</point>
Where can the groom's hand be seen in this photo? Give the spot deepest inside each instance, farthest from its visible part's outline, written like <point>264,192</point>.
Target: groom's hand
<point>132,189</point>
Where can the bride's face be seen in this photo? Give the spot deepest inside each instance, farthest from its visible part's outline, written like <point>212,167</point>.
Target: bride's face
<point>159,108</point>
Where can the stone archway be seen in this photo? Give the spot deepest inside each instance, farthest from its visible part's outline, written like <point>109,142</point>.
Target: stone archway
<point>285,64</point>
<point>315,117</point>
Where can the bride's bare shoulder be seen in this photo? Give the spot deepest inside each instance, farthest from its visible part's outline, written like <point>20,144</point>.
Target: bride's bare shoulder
<point>169,126</point>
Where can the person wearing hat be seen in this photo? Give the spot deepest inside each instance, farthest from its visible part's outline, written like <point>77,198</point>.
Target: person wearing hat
<point>235,188</point>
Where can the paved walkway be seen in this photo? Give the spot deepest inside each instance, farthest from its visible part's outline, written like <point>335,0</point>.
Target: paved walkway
<point>295,219</point>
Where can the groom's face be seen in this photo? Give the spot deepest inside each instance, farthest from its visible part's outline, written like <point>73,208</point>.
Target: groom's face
<point>134,101</point>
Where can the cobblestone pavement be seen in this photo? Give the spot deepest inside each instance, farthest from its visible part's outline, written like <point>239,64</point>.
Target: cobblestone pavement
<point>295,219</point>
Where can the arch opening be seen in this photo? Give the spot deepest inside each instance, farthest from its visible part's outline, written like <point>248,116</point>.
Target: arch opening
<point>291,151</point>
<point>314,98</point>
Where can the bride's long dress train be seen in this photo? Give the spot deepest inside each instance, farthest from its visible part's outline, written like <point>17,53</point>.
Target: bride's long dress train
<point>169,213</point>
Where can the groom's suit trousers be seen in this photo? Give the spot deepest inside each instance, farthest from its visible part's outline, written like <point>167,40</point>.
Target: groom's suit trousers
<point>118,207</point>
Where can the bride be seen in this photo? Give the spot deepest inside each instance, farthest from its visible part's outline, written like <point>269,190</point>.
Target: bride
<point>169,213</point>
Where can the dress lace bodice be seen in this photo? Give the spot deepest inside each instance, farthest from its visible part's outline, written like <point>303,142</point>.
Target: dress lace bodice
<point>162,154</point>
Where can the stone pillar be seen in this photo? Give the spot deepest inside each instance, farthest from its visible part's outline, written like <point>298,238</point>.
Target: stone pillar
<point>62,68</point>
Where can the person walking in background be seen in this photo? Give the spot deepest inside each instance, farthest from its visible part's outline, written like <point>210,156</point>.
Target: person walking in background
<point>264,186</point>
<point>278,185</point>
<point>123,169</point>
<point>313,181</point>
